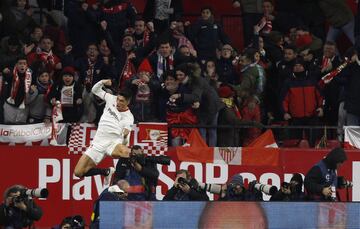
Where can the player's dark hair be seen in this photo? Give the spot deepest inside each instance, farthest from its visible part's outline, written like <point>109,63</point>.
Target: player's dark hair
<point>126,94</point>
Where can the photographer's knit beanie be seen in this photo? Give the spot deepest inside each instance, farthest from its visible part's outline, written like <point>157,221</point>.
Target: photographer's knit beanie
<point>237,179</point>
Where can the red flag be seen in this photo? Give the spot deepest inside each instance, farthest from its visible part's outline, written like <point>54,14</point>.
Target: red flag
<point>263,152</point>
<point>195,139</point>
<point>266,140</point>
<point>248,156</point>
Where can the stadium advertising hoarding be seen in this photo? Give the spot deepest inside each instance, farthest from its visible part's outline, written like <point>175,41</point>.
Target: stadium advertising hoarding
<point>259,215</point>
<point>52,168</point>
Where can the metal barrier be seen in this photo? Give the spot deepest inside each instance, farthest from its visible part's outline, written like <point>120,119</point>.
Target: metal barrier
<point>281,133</point>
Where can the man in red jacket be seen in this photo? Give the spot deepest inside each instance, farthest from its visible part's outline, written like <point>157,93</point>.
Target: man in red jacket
<point>301,99</point>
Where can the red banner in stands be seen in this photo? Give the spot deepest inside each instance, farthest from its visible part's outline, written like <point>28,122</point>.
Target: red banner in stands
<point>52,167</point>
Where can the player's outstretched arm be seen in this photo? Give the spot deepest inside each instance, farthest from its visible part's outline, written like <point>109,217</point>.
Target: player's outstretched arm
<point>97,88</point>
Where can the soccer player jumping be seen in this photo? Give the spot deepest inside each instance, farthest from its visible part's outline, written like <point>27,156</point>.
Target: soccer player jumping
<point>111,136</point>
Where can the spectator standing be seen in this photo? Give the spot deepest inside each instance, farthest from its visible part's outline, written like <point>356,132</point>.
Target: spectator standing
<point>203,97</point>
<point>145,89</point>
<point>210,74</point>
<point>127,58</point>
<point>178,111</point>
<point>328,62</point>
<point>340,18</point>
<point>10,51</point>
<point>18,19</point>
<point>91,70</point>
<point>248,93</point>
<point>39,107</point>
<point>229,115</point>
<point>69,93</point>
<point>82,26</point>
<point>349,78</point>
<point>251,15</point>
<point>44,57</point>
<point>302,101</point>
<point>18,87</point>
<point>224,66</point>
<point>308,12</point>
<point>281,21</point>
<point>162,13</point>
<point>184,54</point>
<point>33,41</point>
<point>144,35</point>
<point>163,59</point>
<point>119,15</point>
<point>273,45</point>
<point>207,35</point>
<point>306,40</point>
<point>285,66</point>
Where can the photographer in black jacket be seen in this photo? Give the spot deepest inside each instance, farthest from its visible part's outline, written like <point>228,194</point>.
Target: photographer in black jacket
<point>235,190</point>
<point>185,188</point>
<point>290,191</point>
<point>18,210</point>
<point>322,181</point>
<point>141,174</point>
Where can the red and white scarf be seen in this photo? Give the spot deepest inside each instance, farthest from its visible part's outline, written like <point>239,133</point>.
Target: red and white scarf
<point>268,26</point>
<point>56,116</point>
<point>160,64</point>
<point>47,57</point>
<point>90,72</point>
<point>183,40</point>
<point>146,36</point>
<point>128,71</point>
<point>115,9</point>
<point>331,75</point>
<point>16,84</point>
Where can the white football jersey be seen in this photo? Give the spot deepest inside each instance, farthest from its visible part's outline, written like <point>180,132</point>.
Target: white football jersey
<point>112,121</point>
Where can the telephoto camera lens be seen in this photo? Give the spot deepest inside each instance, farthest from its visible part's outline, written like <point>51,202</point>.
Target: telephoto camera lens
<point>37,192</point>
<point>267,189</point>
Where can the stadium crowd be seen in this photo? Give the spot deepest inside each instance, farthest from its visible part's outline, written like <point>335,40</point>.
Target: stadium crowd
<point>180,72</point>
<point>183,73</point>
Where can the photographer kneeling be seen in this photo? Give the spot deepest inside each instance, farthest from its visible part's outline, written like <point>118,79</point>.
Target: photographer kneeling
<point>185,188</point>
<point>235,190</point>
<point>141,173</point>
<point>19,209</point>
<point>290,191</point>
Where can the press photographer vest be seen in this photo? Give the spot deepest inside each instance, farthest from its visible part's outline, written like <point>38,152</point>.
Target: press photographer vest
<point>329,178</point>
